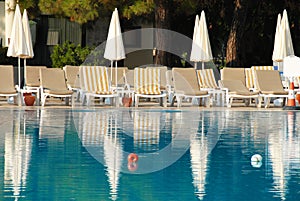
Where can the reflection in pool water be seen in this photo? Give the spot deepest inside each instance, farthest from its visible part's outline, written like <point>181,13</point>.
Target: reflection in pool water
<point>56,154</point>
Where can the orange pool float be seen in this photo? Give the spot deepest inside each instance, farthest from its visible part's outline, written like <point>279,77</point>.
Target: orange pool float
<point>132,158</point>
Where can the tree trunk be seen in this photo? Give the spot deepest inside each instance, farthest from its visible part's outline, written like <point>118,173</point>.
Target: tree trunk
<point>235,38</point>
<point>162,21</point>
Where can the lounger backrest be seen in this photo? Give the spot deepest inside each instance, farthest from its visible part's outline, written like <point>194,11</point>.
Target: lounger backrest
<point>95,79</point>
<point>147,81</point>
<point>88,75</point>
<point>249,78</point>
<point>253,75</point>
<point>32,75</point>
<point>185,80</point>
<point>53,79</point>
<point>7,79</point>
<point>163,71</point>
<point>83,74</point>
<point>206,79</point>
<point>72,75</point>
<point>268,80</point>
<point>233,74</point>
<point>102,80</point>
<point>234,85</point>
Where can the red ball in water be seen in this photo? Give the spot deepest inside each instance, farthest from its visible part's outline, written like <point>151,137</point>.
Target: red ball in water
<point>132,158</point>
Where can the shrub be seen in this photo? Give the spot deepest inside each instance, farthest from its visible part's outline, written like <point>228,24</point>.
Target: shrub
<point>69,54</point>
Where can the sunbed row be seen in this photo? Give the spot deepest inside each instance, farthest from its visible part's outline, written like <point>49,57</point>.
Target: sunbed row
<point>90,83</point>
<point>260,82</point>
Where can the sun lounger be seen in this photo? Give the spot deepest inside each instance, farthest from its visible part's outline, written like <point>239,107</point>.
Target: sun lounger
<point>269,85</point>
<point>147,85</point>
<point>207,81</point>
<point>186,86</point>
<point>53,84</point>
<point>32,81</point>
<point>72,78</point>
<point>251,77</point>
<point>96,84</point>
<point>7,88</point>
<point>236,89</point>
<point>32,77</point>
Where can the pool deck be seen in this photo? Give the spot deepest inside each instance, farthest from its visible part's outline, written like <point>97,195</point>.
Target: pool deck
<point>147,105</point>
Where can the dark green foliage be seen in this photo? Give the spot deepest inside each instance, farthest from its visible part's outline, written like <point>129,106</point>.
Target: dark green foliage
<point>257,39</point>
<point>4,60</point>
<point>69,54</point>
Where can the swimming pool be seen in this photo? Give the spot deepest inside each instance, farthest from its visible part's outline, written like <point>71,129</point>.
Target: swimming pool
<point>58,154</point>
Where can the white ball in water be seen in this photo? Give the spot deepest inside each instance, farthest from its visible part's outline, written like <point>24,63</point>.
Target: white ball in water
<point>256,158</point>
<point>256,161</point>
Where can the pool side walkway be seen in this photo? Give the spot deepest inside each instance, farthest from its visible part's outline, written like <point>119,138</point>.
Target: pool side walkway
<point>54,104</point>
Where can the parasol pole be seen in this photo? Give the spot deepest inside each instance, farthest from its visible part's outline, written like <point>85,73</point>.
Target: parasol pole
<point>24,71</point>
<point>111,66</point>
<point>19,73</point>
<point>116,75</point>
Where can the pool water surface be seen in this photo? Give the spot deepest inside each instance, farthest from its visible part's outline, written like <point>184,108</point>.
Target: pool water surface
<point>61,154</point>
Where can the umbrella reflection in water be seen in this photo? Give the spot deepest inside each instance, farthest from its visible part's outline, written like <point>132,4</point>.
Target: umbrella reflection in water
<point>113,155</point>
<point>99,135</point>
<point>17,157</point>
<point>284,154</point>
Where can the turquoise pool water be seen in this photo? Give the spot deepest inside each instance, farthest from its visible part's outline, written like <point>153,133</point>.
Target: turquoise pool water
<point>56,154</point>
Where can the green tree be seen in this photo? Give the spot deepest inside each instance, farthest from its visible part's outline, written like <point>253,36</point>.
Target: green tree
<point>244,28</point>
<point>83,11</point>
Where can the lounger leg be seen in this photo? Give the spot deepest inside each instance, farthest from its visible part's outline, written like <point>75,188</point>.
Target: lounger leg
<point>258,102</point>
<point>172,101</point>
<point>37,97</point>
<point>83,99</point>
<point>117,102</point>
<point>247,101</point>
<point>73,99</point>
<point>19,99</point>
<point>267,104</point>
<point>179,100</point>
<point>44,100</point>
<point>88,100</point>
<point>78,95</point>
<point>164,99</point>
<point>230,102</point>
<point>208,101</point>
<point>67,99</point>
<point>136,101</point>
